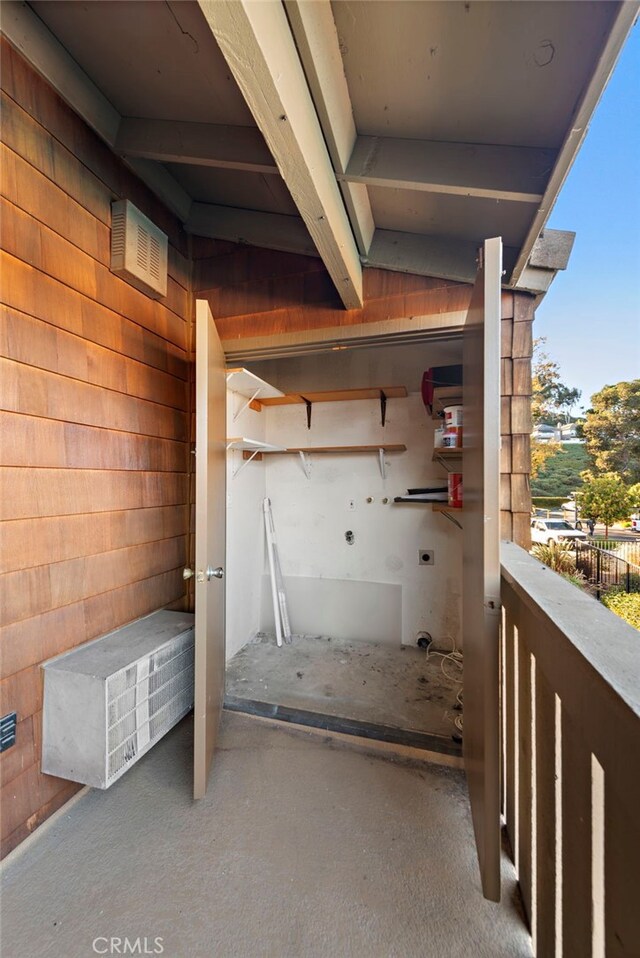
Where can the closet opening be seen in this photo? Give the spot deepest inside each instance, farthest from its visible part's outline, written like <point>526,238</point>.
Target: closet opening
<point>347,458</point>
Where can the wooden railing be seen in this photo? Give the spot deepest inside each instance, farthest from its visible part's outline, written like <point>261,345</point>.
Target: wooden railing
<point>571,762</point>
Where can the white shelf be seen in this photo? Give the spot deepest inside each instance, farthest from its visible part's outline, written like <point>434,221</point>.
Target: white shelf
<point>247,384</point>
<point>252,445</point>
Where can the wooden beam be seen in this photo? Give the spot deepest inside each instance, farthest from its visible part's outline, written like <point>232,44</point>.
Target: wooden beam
<point>269,230</point>
<point>446,257</point>
<point>163,184</point>
<point>577,127</point>
<point>424,255</point>
<point>552,249</point>
<point>516,174</point>
<point>534,280</point>
<point>259,48</point>
<point>28,34</point>
<point>201,144</point>
<point>317,40</point>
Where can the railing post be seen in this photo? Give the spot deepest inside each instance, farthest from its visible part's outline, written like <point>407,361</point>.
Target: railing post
<point>628,577</point>
<point>598,572</point>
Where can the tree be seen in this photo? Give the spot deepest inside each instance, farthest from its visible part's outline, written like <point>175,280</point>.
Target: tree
<point>612,429</point>
<point>551,399</point>
<point>604,497</point>
<point>634,497</point>
<point>540,452</point>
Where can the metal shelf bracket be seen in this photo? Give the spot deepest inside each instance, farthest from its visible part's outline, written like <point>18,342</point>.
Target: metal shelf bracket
<point>245,462</point>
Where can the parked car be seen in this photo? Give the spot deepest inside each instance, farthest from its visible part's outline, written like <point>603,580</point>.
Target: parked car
<point>555,530</point>
<point>635,523</point>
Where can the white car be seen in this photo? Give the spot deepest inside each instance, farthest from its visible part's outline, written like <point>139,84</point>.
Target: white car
<point>555,530</point>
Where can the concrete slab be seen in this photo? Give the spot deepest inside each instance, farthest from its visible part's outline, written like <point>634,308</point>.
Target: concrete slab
<point>379,684</point>
<point>300,849</point>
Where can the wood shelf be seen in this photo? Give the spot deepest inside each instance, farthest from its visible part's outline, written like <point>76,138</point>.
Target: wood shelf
<point>449,458</point>
<point>385,446</point>
<point>336,395</point>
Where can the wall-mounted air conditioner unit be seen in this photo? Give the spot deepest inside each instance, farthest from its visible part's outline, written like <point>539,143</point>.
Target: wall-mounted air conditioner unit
<point>138,249</point>
<point>108,701</point>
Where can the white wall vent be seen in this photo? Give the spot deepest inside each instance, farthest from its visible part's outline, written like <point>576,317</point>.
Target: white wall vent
<point>108,701</point>
<point>138,249</point>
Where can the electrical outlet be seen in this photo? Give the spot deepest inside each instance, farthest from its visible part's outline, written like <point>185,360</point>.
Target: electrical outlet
<point>426,557</point>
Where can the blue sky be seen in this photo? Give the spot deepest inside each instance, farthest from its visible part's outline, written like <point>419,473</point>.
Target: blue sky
<point>591,315</point>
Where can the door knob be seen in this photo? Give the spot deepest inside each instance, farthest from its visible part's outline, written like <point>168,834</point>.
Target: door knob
<point>215,573</point>
<point>187,573</point>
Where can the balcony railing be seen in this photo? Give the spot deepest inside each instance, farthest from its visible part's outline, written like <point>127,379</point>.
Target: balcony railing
<point>604,570</point>
<point>571,772</point>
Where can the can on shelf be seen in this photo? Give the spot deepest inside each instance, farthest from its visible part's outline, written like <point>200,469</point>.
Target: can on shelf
<point>453,416</point>
<point>453,424</point>
<point>452,438</point>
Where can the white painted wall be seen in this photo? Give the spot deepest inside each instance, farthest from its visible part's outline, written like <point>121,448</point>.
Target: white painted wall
<point>245,534</point>
<point>312,516</point>
<point>371,590</point>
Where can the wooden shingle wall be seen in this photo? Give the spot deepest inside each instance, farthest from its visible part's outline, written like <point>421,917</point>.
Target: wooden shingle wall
<point>515,424</point>
<point>94,424</point>
<point>97,401</point>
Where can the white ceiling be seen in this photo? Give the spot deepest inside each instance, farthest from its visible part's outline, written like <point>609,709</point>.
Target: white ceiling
<point>149,58</point>
<point>471,72</point>
<point>512,74</point>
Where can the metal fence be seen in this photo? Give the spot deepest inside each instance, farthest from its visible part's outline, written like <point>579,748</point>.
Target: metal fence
<point>627,550</point>
<point>604,569</point>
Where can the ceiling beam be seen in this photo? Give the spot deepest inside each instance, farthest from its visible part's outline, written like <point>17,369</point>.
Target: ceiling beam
<point>516,174</point>
<point>424,255</point>
<point>260,51</point>
<point>577,127</point>
<point>552,249</point>
<point>29,35</point>
<point>200,144</point>
<point>439,256</point>
<point>316,37</point>
<point>269,230</point>
<point>445,257</point>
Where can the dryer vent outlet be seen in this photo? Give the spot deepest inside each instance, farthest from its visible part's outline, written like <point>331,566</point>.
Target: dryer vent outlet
<point>138,249</point>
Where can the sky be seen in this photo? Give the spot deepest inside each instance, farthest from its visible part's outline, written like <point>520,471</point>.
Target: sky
<point>591,315</point>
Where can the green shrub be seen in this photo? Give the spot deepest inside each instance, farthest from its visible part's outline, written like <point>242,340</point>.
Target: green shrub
<point>559,556</point>
<point>626,605</point>
<point>580,580</point>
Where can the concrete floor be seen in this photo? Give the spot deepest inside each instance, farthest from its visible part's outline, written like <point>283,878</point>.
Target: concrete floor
<point>389,685</point>
<point>301,849</point>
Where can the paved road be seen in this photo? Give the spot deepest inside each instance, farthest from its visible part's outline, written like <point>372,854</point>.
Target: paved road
<point>620,535</point>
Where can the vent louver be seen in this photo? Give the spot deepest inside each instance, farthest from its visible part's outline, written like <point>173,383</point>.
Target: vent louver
<point>138,249</point>
<point>108,702</point>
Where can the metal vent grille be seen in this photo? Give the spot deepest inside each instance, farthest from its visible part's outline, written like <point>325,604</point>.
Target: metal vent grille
<point>138,249</point>
<point>146,700</point>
